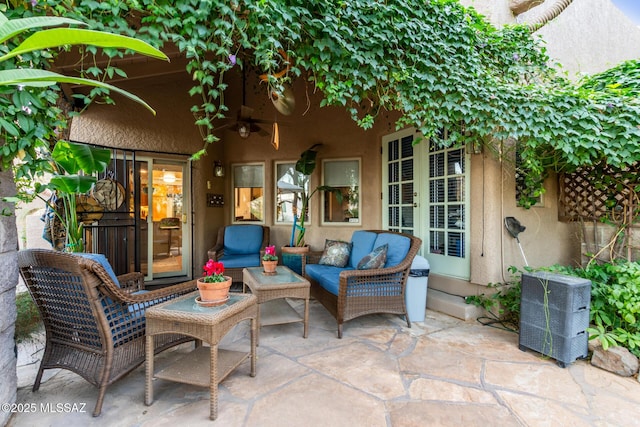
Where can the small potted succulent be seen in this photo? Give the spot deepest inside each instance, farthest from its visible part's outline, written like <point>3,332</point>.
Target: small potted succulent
<point>214,285</point>
<point>269,260</point>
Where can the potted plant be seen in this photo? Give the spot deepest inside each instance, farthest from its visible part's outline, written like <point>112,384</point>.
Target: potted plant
<point>68,184</point>
<point>306,165</point>
<point>214,286</point>
<point>269,260</point>
<point>297,247</point>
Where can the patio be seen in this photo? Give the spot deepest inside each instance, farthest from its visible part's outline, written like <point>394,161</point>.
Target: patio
<point>442,371</point>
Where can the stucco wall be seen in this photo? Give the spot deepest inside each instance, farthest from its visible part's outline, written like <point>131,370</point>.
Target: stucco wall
<point>589,36</point>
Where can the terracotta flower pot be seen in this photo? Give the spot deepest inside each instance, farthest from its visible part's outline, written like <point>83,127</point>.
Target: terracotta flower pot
<point>217,291</point>
<point>269,266</point>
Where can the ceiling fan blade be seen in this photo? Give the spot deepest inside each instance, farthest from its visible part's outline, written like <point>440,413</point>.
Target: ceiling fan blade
<point>228,125</point>
<point>245,113</point>
<point>259,130</point>
<point>261,121</point>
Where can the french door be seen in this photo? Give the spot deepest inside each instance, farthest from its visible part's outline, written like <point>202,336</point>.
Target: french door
<point>163,221</point>
<point>426,193</point>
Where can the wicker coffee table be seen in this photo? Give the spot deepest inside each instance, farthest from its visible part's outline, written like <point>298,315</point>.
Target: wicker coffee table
<point>208,324</point>
<point>271,290</point>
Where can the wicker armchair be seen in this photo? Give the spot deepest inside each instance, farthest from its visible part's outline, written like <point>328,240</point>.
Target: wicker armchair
<point>240,252</point>
<point>94,326</point>
<point>362,292</point>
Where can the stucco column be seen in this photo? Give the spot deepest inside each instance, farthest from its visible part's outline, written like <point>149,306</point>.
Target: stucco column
<point>8,283</point>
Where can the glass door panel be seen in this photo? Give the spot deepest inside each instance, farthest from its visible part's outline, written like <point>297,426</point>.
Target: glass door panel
<point>167,216</point>
<point>163,221</point>
<point>447,201</point>
<point>399,192</point>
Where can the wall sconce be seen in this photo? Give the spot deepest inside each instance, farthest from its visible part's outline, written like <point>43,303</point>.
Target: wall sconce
<point>218,169</point>
<point>244,129</point>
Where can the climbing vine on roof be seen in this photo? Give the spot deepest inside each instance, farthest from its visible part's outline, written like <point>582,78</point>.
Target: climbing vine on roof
<point>441,64</point>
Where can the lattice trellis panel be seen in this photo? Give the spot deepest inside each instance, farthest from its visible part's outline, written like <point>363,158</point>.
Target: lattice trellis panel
<point>580,199</point>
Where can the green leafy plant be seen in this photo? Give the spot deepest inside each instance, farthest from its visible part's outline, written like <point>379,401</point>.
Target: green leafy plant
<point>26,127</point>
<point>438,63</point>
<point>503,305</point>
<point>70,159</point>
<point>602,334</point>
<point>615,301</point>
<point>28,317</point>
<point>306,165</point>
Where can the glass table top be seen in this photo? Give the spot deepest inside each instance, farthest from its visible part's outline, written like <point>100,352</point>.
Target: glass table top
<point>284,275</point>
<point>189,305</point>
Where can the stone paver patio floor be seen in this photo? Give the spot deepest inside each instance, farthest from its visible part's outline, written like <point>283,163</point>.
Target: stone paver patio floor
<point>441,372</point>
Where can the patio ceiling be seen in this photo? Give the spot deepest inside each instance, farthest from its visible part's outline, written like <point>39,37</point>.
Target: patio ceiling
<point>136,67</point>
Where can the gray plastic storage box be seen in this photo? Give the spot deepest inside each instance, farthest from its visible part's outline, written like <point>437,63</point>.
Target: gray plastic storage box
<point>554,315</point>
<point>416,293</point>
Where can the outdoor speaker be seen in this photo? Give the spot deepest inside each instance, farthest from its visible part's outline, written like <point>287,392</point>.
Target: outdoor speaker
<point>554,315</point>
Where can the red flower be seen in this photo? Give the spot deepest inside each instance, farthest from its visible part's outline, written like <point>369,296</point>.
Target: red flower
<point>270,253</point>
<point>214,272</point>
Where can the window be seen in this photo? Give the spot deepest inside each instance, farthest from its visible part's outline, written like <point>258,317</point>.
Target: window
<point>344,176</point>
<point>289,188</point>
<point>248,192</point>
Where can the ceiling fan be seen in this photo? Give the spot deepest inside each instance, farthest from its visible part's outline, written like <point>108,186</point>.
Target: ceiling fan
<point>245,125</point>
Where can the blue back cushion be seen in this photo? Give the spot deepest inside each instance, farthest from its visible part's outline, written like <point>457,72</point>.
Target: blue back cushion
<point>361,244</point>
<point>104,262</point>
<point>398,247</point>
<point>240,261</point>
<point>242,239</point>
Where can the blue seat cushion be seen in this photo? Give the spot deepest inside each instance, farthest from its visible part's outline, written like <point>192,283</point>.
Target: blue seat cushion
<point>240,261</point>
<point>126,326</point>
<point>398,247</point>
<point>361,244</point>
<point>242,239</point>
<point>327,276</point>
<point>102,260</point>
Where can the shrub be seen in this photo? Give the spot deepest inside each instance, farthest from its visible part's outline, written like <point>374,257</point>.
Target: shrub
<point>28,318</point>
<point>504,304</point>
<point>615,302</point>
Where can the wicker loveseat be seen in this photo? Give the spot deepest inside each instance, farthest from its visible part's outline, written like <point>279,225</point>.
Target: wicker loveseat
<point>94,321</point>
<point>347,292</point>
<point>238,246</point>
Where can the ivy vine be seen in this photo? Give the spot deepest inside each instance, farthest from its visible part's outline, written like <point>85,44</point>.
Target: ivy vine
<point>437,62</point>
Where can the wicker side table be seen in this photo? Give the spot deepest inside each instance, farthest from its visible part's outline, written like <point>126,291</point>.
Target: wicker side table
<point>271,291</point>
<point>209,324</point>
